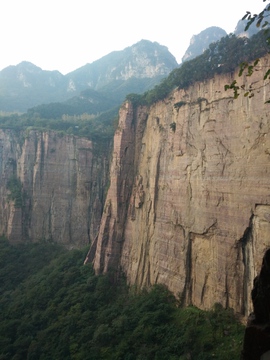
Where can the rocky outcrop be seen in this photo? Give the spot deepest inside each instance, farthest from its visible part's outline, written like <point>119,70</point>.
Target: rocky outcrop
<point>189,198</point>
<point>51,187</point>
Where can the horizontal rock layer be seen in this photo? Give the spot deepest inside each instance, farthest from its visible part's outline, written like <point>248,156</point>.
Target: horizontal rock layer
<point>189,198</point>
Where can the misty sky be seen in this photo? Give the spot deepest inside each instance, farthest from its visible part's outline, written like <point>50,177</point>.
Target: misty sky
<point>66,34</point>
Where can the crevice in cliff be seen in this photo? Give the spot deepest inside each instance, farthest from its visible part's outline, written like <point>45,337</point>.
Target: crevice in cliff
<point>186,295</point>
<point>204,288</point>
<point>42,156</point>
<point>111,235</point>
<point>156,189</point>
<point>246,243</point>
<point>143,275</point>
<point>226,290</point>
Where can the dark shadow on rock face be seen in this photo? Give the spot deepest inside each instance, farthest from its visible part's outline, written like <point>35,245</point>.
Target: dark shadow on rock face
<point>257,334</point>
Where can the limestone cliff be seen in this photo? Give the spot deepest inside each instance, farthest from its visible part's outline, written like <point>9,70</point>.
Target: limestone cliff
<point>51,187</point>
<point>189,197</point>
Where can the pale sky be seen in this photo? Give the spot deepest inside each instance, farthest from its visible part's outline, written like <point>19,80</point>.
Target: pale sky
<point>66,34</point>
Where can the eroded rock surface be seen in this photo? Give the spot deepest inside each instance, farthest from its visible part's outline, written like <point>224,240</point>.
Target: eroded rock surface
<point>61,187</point>
<point>193,172</point>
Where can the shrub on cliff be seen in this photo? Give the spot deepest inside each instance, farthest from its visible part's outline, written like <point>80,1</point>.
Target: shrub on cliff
<point>14,186</point>
<point>221,57</point>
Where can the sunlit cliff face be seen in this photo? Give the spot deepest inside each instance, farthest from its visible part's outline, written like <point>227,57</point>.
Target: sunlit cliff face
<point>58,187</point>
<point>196,194</point>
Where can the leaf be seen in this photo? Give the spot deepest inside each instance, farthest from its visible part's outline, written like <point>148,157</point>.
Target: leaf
<point>266,74</point>
<point>256,62</point>
<point>250,70</point>
<point>258,23</point>
<point>243,66</point>
<point>245,16</point>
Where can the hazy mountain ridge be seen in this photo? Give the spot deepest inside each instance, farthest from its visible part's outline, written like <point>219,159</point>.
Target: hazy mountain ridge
<point>135,69</point>
<point>88,101</point>
<point>25,85</point>
<point>144,59</point>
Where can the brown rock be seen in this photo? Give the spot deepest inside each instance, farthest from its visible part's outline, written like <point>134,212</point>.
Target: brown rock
<point>62,186</point>
<point>202,221</point>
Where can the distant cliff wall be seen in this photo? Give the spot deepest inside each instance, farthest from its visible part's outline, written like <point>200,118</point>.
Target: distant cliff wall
<point>51,187</point>
<point>189,197</point>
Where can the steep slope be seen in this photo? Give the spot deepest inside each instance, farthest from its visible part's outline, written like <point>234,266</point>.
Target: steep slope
<point>188,203</point>
<point>144,59</point>
<point>200,42</point>
<point>51,187</point>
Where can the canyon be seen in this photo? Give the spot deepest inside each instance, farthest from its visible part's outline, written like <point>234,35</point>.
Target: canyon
<point>183,200</point>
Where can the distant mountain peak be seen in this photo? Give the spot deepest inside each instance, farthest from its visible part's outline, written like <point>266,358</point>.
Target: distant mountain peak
<point>25,66</point>
<point>200,42</point>
<point>144,59</point>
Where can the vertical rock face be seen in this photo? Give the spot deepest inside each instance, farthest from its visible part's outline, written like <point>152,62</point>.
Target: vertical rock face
<point>193,171</point>
<point>51,188</point>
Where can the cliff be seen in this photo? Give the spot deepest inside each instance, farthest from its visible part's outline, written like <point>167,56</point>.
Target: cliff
<point>189,197</point>
<point>51,187</point>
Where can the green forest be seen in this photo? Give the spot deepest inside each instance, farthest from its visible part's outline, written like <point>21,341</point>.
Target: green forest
<point>54,307</point>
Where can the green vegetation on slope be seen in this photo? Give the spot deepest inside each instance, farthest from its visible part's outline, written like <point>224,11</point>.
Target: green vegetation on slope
<point>98,128</point>
<point>53,307</point>
<point>221,57</point>
<point>15,187</point>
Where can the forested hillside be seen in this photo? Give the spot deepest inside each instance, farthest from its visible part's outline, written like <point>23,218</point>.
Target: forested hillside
<point>53,307</point>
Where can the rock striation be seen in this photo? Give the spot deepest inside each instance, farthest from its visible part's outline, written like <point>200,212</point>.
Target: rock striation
<point>189,198</point>
<point>51,187</point>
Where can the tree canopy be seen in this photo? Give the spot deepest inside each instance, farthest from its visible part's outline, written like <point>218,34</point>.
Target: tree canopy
<point>54,307</point>
<point>245,67</point>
